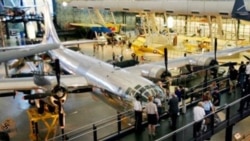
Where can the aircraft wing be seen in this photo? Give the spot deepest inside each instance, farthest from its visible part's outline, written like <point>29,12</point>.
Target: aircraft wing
<point>178,62</point>
<point>85,25</point>
<point>27,83</point>
<point>26,51</point>
<point>69,43</point>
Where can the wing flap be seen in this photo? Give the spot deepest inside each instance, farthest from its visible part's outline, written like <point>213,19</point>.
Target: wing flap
<point>85,25</point>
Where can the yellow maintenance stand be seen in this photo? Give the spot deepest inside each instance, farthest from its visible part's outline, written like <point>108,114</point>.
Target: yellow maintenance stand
<point>48,119</point>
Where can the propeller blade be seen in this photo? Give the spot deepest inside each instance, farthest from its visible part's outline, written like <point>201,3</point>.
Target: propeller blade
<point>246,57</point>
<point>57,71</point>
<point>166,58</point>
<point>215,49</point>
<point>229,64</point>
<point>7,94</point>
<point>61,118</point>
<point>36,96</point>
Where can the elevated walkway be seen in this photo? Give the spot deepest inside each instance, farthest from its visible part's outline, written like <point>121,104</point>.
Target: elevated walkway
<point>227,112</point>
<point>120,127</point>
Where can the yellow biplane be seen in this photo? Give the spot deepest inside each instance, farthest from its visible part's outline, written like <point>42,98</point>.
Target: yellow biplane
<point>140,46</point>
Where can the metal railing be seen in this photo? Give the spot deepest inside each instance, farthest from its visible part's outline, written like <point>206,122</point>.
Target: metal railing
<point>232,116</point>
<point>96,130</point>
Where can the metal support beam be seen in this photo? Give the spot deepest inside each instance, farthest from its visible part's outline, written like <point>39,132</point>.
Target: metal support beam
<point>54,5</point>
<point>3,45</point>
<point>229,132</point>
<point>113,17</point>
<point>99,16</point>
<point>7,30</point>
<point>219,23</point>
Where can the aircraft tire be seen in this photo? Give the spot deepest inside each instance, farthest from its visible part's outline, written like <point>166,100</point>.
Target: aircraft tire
<point>133,55</point>
<point>31,102</point>
<point>4,136</point>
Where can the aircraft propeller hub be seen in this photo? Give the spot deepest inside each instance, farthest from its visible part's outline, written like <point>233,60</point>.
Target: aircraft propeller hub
<point>59,92</point>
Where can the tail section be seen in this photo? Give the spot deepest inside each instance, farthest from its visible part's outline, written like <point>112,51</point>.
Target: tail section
<point>2,10</point>
<point>240,11</point>
<point>50,35</point>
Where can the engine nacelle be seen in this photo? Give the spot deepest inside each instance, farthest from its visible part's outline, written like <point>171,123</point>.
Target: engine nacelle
<point>154,72</point>
<point>204,61</point>
<point>15,63</point>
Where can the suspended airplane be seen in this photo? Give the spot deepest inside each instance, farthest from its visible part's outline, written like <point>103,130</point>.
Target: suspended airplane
<point>115,86</point>
<point>13,10</point>
<point>198,7</point>
<point>110,31</point>
<point>139,47</point>
<point>197,44</point>
<point>107,27</point>
<point>239,11</point>
<point>144,44</point>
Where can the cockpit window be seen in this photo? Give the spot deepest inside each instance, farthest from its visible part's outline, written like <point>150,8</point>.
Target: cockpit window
<point>142,89</point>
<point>145,91</point>
<point>128,90</point>
<point>137,87</point>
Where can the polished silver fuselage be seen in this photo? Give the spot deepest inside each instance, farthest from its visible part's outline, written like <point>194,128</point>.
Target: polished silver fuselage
<point>110,83</point>
<point>115,86</point>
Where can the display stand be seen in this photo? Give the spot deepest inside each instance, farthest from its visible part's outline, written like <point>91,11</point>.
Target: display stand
<point>47,118</point>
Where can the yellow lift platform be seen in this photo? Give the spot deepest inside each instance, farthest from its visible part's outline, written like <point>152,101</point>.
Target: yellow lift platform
<point>50,121</point>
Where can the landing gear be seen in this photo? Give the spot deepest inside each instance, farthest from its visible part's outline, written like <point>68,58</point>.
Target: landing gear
<point>40,110</point>
<point>31,102</point>
<point>4,136</point>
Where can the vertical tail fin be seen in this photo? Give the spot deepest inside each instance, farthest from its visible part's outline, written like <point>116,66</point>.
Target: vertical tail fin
<point>1,7</point>
<point>50,35</point>
<point>239,10</point>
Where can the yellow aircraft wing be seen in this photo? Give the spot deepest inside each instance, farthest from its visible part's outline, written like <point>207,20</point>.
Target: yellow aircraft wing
<point>139,47</point>
<point>85,25</point>
<point>114,27</point>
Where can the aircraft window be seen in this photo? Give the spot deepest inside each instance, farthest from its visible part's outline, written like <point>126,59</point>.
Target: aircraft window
<point>132,92</point>
<point>153,92</point>
<point>145,96</point>
<point>128,90</point>
<point>142,90</point>
<point>147,87</point>
<point>137,87</point>
<point>147,93</point>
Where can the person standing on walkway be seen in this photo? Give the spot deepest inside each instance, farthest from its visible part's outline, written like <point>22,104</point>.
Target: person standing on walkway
<point>233,75</point>
<point>158,103</point>
<point>199,114</point>
<point>152,114</point>
<point>242,73</point>
<point>138,114</point>
<point>173,110</point>
<point>207,103</point>
<point>247,70</point>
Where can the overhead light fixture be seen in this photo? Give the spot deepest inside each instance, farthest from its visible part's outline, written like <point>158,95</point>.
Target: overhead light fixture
<point>64,4</point>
